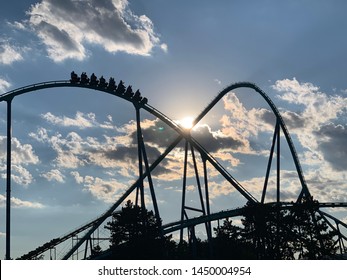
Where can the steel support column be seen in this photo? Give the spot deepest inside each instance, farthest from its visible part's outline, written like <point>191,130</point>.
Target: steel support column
<point>142,148</point>
<point>207,198</point>
<point>198,180</point>
<point>269,162</point>
<point>184,186</point>
<point>139,150</point>
<point>208,211</point>
<point>8,179</point>
<point>278,187</point>
<point>278,162</point>
<point>207,224</point>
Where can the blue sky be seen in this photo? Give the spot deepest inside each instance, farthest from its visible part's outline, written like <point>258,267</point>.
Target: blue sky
<point>73,149</point>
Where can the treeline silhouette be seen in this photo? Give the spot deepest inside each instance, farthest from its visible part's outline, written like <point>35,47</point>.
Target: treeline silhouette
<point>267,232</point>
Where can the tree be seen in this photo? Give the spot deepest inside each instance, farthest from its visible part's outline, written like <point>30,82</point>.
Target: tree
<point>268,232</point>
<point>315,240</point>
<point>298,232</point>
<point>135,233</point>
<point>228,231</point>
<point>229,242</point>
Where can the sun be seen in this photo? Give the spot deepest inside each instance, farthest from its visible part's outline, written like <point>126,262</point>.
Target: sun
<point>186,122</point>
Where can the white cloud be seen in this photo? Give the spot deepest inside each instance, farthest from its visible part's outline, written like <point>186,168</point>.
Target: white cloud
<point>164,47</point>
<point>73,151</point>
<point>22,155</point>
<point>246,122</point>
<point>17,25</point>
<point>317,125</point>
<point>217,189</point>
<point>4,85</point>
<point>18,203</point>
<point>80,120</point>
<point>21,175</point>
<point>54,175</point>
<point>9,54</point>
<point>78,178</point>
<point>69,149</point>
<point>245,126</point>
<point>108,190</point>
<point>105,190</point>
<point>319,108</point>
<point>295,92</point>
<point>65,27</point>
<point>321,130</point>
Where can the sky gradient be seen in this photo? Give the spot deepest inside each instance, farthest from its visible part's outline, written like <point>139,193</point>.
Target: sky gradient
<point>74,150</point>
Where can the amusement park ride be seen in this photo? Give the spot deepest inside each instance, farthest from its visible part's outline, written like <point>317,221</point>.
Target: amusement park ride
<point>186,224</point>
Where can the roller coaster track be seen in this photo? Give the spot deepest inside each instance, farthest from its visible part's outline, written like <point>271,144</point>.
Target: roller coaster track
<point>90,227</point>
<point>56,241</point>
<point>277,114</point>
<point>174,226</point>
<point>55,84</point>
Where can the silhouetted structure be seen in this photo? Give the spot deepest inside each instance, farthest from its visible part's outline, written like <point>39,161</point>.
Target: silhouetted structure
<point>265,223</point>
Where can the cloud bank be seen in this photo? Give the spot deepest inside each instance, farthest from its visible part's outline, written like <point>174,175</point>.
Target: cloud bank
<point>18,203</point>
<point>318,126</point>
<point>67,26</point>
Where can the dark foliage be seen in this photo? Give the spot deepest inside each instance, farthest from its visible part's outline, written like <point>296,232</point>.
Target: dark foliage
<point>268,232</point>
<point>135,234</point>
<point>229,243</point>
<point>297,232</point>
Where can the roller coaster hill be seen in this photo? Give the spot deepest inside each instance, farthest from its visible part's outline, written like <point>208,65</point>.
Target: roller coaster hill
<point>81,242</point>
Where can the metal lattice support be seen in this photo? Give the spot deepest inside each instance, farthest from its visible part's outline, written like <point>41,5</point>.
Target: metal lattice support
<point>192,148</point>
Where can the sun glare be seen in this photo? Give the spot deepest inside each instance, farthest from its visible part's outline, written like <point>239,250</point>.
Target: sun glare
<point>186,122</point>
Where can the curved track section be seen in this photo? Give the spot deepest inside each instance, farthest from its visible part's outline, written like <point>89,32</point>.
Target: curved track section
<point>278,116</point>
<point>182,135</point>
